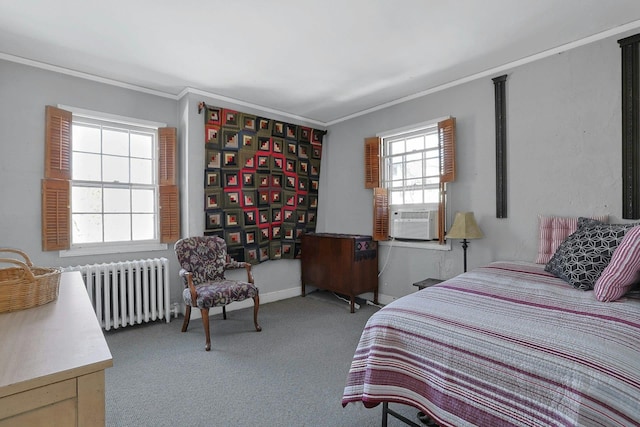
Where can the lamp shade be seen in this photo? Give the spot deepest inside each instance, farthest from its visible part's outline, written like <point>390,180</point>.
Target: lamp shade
<point>464,227</point>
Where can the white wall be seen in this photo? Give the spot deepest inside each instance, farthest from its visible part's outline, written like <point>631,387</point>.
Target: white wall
<point>563,150</point>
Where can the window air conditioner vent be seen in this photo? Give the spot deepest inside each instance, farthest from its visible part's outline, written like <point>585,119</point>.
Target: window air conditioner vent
<point>419,224</point>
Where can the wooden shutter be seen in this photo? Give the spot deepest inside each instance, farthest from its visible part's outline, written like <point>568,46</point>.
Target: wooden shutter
<point>56,185</point>
<point>57,158</point>
<point>380,214</point>
<point>168,190</point>
<point>372,162</point>
<point>167,160</point>
<point>447,140</point>
<point>169,213</point>
<point>56,214</point>
<point>447,137</point>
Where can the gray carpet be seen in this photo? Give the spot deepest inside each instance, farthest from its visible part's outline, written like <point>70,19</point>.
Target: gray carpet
<point>290,374</point>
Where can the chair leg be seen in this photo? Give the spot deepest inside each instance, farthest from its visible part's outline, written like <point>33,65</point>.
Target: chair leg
<point>205,323</point>
<point>224,312</point>
<point>256,306</point>
<point>187,317</point>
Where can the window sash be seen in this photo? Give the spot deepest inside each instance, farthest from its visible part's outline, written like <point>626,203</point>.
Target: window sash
<point>122,224</point>
<point>405,187</point>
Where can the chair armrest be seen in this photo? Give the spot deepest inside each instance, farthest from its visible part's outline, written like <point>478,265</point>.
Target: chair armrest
<point>192,288</point>
<point>247,266</point>
<point>233,264</point>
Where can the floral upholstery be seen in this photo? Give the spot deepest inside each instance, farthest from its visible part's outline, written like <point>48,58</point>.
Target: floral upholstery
<point>206,258</point>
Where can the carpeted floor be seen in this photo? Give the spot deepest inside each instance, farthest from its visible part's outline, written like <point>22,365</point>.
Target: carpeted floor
<point>290,374</point>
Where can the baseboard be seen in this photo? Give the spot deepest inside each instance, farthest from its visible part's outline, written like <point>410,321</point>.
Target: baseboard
<point>275,296</point>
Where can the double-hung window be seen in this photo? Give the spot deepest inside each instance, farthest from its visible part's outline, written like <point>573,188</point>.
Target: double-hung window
<point>114,187</point>
<point>411,167</point>
<point>109,185</point>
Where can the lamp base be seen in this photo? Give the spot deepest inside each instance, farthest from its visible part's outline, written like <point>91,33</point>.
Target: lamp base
<point>465,245</point>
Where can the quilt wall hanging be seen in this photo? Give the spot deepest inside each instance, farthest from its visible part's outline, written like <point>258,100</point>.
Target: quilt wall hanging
<point>261,180</point>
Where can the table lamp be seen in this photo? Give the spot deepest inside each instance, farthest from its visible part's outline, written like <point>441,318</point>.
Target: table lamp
<point>464,227</point>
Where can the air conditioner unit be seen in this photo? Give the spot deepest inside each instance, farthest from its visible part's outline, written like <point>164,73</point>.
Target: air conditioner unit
<point>418,224</point>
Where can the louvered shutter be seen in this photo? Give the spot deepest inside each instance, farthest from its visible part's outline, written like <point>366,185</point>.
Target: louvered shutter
<point>447,137</point>
<point>372,162</point>
<point>169,195</point>
<point>56,185</point>
<point>380,214</point>
<point>447,141</point>
<point>169,213</point>
<point>56,214</point>
<point>57,160</point>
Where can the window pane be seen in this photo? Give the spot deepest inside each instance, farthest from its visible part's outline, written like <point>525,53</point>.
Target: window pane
<point>141,171</point>
<point>86,199</point>
<point>431,140</point>
<point>142,145</point>
<point>143,226</point>
<point>117,200</point>
<point>115,141</point>
<point>396,170</point>
<point>117,228</point>
<point>116,169</point>
<point>413,196</point>
<point>86,228</point>
<point>143,201</point>
<point>86,167</point>
<point>415,144</point>
<point>396,147</point>
<point>397,198</point>
<point>86,138</point>
<point>414,169</point>
<point>431,195</point>
<point>433,167</point>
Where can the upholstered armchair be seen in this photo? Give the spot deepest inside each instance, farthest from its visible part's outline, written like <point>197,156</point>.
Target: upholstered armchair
<point>203,261</point>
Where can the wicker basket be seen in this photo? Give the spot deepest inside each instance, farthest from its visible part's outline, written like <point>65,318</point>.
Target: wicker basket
<point>26,286</point>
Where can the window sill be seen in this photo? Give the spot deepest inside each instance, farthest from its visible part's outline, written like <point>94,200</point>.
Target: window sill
<point>417,244</point>
<point>102,250</point>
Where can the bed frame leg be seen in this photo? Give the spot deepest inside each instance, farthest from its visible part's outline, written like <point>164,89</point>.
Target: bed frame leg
<point>386,411</point>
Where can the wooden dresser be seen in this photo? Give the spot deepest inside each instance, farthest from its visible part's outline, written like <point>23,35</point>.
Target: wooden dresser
<point>342,263</point>
<point>52,362</point>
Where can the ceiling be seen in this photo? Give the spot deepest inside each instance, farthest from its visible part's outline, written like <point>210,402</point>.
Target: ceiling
<point>316,60</point>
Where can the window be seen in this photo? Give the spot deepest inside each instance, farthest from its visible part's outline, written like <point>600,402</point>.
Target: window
<point>416,165</point>
<point>113,186</point>
<point>411,167</point>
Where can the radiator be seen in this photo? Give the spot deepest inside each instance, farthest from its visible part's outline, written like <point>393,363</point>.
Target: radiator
<point>127,292</point>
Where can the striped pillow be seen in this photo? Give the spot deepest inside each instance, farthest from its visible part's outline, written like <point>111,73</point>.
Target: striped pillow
<point>552,231</point>
<point>622,271</point>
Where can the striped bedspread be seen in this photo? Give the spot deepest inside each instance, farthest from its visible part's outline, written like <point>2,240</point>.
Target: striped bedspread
<point>503,345</point>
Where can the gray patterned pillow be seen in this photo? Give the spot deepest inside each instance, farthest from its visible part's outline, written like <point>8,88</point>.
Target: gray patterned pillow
<point>582,257</point>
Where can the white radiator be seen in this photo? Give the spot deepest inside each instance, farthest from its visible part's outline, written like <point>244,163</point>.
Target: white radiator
<point>128,292</point>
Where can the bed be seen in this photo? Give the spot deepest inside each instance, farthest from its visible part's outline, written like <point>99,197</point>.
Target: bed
<point>507,344</point>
